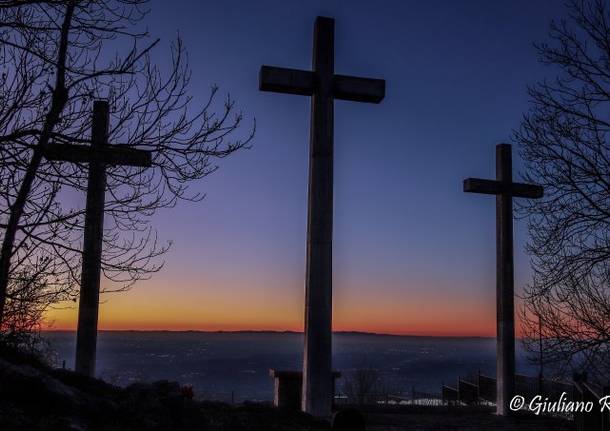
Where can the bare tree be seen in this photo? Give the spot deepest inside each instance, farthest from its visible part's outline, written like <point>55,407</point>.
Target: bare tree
<point>565,143</point>
<point>362,386</point>
<point>56,57</point>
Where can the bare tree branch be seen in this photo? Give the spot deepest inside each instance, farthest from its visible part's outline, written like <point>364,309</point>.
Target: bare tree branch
<point>565,142</point>
<point>56,58</point>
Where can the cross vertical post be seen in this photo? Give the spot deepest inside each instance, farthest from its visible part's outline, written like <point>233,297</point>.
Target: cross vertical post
<point>98,155</point>
<point>86,335</point>
<point>317,355</point>
<point>505,356</point>
<point>324,86</point>
<point>504,189</point>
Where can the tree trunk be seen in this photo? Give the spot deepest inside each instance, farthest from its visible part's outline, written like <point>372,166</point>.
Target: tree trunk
<point>58,102</point>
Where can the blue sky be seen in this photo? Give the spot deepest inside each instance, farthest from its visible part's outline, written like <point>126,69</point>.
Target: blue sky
<point>406,239</point>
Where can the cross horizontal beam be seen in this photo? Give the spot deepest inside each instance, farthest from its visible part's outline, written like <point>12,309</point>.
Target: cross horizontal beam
<point>108,154</point>
<point>304,83</point>
<point>358,89</point>
<point>491,187</point>
<point>290,81</point>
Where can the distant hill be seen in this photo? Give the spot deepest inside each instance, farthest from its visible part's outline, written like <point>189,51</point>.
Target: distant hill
<point>252,331</point>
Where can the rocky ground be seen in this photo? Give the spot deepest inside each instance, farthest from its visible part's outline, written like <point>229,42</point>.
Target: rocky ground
<point>35,397</point>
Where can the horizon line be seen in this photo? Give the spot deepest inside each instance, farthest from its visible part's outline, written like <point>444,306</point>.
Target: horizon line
<point>271,331</point>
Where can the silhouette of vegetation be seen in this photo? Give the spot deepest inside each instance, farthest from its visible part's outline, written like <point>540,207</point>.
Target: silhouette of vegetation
<point>56,58</point>
<point>367,386</point>
<point>565,143</point>
<point>361,386</point>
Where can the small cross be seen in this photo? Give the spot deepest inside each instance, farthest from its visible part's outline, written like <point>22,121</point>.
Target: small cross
<point>98,155</point>
<point>505,189</point>
<point>324,86</point>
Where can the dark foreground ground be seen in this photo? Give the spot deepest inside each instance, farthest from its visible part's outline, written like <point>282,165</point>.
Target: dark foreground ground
<point>439,418</point>
<point>34,397</point>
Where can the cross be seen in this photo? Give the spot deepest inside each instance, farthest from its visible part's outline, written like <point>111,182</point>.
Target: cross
<point>324,86</point>
<point>98,155</point>
<point>505,189</point>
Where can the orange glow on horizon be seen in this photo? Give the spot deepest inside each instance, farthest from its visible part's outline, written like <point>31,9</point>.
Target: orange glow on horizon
<point>153,309</point>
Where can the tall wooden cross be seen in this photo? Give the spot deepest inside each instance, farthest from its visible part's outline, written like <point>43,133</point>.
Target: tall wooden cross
<point>98,155</point>
<point>324,86</point>
<point>504,189</point>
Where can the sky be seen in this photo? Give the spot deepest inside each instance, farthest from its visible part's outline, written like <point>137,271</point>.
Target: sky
<point>412,253</point>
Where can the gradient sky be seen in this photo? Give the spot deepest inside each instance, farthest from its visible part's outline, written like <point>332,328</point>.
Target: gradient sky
<point>413,254</point>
